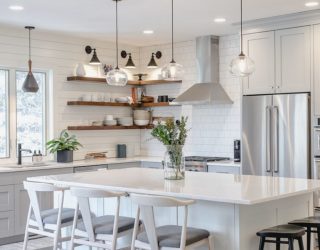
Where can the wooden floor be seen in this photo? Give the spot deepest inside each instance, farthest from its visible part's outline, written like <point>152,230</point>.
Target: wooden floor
<point>36,244</point>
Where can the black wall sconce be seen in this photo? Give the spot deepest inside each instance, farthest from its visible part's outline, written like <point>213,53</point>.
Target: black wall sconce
<point>94,60</point>
<point>153,64</point>
<point>130,64</point>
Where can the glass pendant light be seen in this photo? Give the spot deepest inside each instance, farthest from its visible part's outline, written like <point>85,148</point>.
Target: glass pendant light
<point>242,65</point>
<point>117,77</point>
<point>173,70</point>
<point>30,83</point>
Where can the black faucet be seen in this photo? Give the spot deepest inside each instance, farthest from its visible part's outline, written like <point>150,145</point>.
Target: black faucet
<point>20,150</point>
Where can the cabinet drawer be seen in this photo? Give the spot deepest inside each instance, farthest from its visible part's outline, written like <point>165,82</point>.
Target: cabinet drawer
<point>148,164</point>
<point>124,165</point>
<point>224,169</point>
<point>6,198</point>
<point>6,224</point>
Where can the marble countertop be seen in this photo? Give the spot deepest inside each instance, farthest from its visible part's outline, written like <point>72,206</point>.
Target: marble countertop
<point>226,188</point>
<point>5,168</point>
<point>81,163</point>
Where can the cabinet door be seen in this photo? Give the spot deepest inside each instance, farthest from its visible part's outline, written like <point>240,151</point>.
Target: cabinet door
<point>6,198</point>
<point>124,165</point>
<point>293,60</point>
<point>260,48</point>
<point>6,224</point>
<point>316,96</point>
<point>223,169</point>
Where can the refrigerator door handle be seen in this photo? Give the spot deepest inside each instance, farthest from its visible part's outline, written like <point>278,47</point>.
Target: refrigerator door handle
<point>268,140</point>
<point>276,138</point>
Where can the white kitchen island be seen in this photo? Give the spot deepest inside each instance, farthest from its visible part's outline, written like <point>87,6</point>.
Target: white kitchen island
<point>232,207</point>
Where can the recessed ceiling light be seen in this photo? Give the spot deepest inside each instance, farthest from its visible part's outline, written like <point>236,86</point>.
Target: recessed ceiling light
<point>311,4</point>
<point>148,32</point>
<point>219,20</point>
<point>16,7</point>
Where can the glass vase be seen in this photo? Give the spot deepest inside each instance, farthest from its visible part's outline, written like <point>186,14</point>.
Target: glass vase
<point>174,164</point>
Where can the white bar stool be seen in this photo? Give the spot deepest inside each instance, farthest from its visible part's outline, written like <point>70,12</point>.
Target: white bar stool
<point>46,222</point>
<point>168,237</point>
<point>102,231</point>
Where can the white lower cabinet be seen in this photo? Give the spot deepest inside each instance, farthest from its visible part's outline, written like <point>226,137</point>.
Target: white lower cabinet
<point>224,169</point>
<point>148,164</point>
<point>124,165</point>
<point>6,198</point>
<point>6,224</point>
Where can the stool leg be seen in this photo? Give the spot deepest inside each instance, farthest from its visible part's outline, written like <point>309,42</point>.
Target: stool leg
<point>318,235</point>
<point>290,240</point>
<point>261,245</point>
<point>301,247</point>
<point>308,238</point>
<point>278,244</point>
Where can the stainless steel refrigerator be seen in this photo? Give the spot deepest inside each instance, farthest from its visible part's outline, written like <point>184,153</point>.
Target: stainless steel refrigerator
<point>276,135</point>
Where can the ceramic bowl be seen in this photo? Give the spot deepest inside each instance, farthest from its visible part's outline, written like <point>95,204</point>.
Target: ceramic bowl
<point>110,122</point>
<point>141,122</point>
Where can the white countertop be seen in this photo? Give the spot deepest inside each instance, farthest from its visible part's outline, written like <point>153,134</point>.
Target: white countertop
<point>82,163</point>
<point>227,188</point>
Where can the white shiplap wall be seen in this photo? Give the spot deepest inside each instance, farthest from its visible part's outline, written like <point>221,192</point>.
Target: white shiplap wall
<point>59,54</point>
<point>213,127</point>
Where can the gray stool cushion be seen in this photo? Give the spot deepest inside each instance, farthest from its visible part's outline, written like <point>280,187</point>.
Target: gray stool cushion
<point>104,224</point>
<point>170,236</point>
<point>50,216</point>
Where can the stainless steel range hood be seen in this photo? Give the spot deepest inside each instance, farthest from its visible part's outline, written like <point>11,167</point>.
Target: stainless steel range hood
<point>207,90</point>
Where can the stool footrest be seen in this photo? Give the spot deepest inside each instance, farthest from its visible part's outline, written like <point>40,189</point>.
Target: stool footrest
<point>277,241</point>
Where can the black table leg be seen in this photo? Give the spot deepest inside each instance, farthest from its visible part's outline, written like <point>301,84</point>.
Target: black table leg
<point>261,245</point>
<point>318,235</point>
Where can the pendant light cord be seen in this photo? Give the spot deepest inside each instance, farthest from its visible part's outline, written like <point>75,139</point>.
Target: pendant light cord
<point>29,44</point>
<point>117,47</point>
<point>172,47</point>
<point>241,30</point>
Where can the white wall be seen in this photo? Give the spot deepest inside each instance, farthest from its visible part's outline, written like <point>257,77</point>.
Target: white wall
<point>213,127</point>
<point>59,54</point>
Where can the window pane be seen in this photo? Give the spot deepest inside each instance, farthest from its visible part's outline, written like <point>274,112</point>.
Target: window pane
<point>31,114</point>
<point>4,135</point>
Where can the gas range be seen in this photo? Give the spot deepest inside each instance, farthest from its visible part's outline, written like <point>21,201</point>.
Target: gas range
<point>199,163</point>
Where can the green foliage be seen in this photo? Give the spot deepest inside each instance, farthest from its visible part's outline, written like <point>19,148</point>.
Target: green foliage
<point>171,133</point>
<point>64,142</point>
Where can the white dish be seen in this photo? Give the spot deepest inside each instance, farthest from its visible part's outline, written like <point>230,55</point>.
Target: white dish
<point>141,122</point>
<point>110,122</point>
<point>122,99</point>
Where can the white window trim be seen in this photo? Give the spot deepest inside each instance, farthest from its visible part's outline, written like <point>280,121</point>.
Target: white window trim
<point>12,116</point>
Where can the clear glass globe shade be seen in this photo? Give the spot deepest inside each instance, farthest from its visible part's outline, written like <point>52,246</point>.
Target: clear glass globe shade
<point>117,77</point>
<point>242,66</point>
<point>172,71</point>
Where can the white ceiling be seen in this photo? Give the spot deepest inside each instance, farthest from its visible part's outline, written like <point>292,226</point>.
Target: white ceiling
<point>95,18</point>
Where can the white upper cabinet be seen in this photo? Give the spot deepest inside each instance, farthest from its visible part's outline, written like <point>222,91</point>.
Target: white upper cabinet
<point>293,60</point>
<point>282,60</point>
<point>316,95</point>
<point>260,48</point>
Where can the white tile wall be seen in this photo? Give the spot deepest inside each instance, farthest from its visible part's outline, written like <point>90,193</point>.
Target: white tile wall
<point>213,127</point>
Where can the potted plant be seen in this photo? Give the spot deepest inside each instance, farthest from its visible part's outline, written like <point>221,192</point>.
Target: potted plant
<point>173,135</point>
<point>64,146</point>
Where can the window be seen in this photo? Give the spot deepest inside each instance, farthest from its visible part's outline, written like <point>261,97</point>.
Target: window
<point>24,113</point>
<point>31,113</point>
<point>4,131</point>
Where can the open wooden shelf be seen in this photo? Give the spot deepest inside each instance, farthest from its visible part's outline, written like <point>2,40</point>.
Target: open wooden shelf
<point>134,83</point>
<point>116,104</point>
<point>108,127</point>
<point>111,104</point>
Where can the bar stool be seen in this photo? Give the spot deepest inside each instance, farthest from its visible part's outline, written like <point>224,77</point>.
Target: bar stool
<point>289,232</point>
<point>46,222</point>
<point>167,236</point>
<point>312,225</point>
<point>101,231</point>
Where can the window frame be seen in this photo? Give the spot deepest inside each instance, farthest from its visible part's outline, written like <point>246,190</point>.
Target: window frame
<point>7,87</point>
<point>12,113</point>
